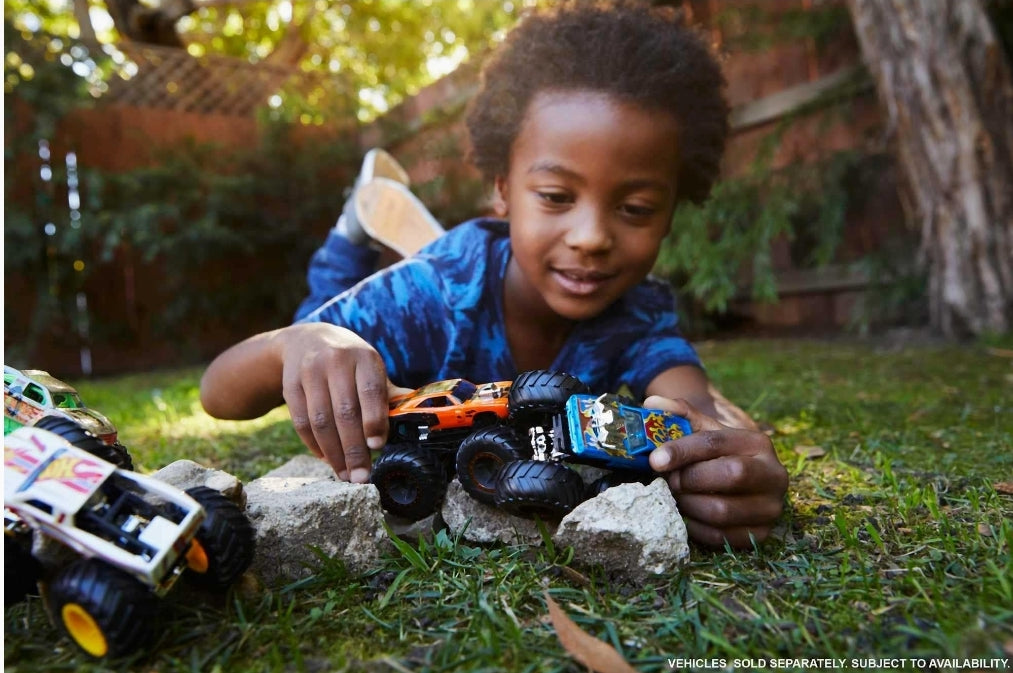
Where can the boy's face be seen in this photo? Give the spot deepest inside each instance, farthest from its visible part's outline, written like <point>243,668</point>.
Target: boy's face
<point>590,194</point>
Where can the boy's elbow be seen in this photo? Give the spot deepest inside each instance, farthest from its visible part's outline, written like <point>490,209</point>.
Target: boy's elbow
<point>231,397</point>
<point>210,399</point>
<point>221,400</point>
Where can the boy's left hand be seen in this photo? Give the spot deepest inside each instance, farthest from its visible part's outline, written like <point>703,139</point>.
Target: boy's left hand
<point>728,483</point>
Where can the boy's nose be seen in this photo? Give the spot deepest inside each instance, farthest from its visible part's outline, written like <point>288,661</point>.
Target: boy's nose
<point>589,232</point>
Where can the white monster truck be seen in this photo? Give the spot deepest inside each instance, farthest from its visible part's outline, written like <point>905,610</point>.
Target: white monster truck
<point>136,535</point>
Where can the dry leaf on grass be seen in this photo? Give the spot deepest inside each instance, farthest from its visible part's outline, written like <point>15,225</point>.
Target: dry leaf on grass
<point>984,529</point>
<point>1004,487</point>
<point>585,648</point>
<point>810,452</point>
<point>574,576</point>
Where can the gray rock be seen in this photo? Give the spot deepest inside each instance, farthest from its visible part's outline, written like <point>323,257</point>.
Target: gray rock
<point>292,514</point>
<point>304,465</point>
<point>412,531</point>
<point>633,531</point>
<point>184,474</point>
<point>484,523</point>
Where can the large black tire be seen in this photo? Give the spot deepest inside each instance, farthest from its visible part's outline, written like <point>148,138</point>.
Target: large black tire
<point>604,483</point>
<point>22,571</point>
<point>532,488</point>
<point>411,481</point>
<point>105,611</point>
<point>72,431</point>
<point>480,457</point>
<point>537,394</point>
<point>225,536</point>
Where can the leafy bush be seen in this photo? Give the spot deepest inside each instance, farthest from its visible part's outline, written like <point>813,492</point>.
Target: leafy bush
<point>716,249</point>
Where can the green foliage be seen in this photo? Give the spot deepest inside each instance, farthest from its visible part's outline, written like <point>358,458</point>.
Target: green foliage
<point>724,244</point>
<point>722,249</point>
<point>382,50</point>
<point>899,287</point>
<point>203,206</point>
<point>758,26</point>
<point>896,543</point>
<point>51,74</point>
<point>196,216</point>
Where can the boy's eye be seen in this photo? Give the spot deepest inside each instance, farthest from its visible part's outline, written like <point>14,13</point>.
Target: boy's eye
<point>555,198</point>
<point>635,210</point>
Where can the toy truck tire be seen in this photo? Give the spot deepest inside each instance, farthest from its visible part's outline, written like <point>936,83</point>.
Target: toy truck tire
<point>105,611</point>
<point>531,487</point>
<point>538,393</point>
<point>480,457</point>
<point>411,481</point>
<point>225,537</point>
<point>72,431</point>
<point>604,483</point>
<point>21,570</point>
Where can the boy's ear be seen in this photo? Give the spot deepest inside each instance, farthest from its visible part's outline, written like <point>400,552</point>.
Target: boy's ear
<point>499,197</point>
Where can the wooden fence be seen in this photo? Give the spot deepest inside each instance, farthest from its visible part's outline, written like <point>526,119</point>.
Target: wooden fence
<point>168,97</point>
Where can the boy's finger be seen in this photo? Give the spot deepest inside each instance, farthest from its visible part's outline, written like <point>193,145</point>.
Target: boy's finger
<point>724,511</point>
<point>699,421</point>
<point>296,402</point>
<point>348,419</point>
<point>372,386</point>
<point>319,423</point>
<point>734,474</point>
<point>394,390</point>
<point>701,446</point>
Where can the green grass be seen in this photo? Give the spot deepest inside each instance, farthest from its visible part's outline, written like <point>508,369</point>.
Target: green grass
<point>895,543</point>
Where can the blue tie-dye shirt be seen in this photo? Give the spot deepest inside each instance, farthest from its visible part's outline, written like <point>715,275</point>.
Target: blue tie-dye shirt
<point>439,315</point>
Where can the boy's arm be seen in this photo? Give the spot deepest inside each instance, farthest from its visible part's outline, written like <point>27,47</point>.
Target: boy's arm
<point>244,381</point>
<point>335,267</point>
<point>335,385</point>
<point>692,384</point>
<point>726,477</point>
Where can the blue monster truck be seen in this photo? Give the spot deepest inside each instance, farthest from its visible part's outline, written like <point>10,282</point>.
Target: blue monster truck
<point>567,424</point>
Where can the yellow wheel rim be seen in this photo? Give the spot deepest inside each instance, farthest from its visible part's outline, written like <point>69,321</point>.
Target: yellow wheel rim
<point>82,628</point>
<point>197,558</point>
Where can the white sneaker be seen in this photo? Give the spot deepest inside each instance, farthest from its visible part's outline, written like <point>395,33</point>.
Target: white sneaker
<point>377,163</point>
<point>391,215</point>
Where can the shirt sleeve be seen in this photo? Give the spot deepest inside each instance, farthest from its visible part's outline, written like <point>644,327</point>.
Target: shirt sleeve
<point>400,311</point>
<point>661,345</point>
<point>335,267</point>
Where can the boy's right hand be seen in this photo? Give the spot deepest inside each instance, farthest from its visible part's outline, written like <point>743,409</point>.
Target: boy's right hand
<point>336,388</point>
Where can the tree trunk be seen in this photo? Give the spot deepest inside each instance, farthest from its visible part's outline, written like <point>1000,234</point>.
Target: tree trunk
<point>150,25</point>
<point>87,31</point>
<point>943,78</point>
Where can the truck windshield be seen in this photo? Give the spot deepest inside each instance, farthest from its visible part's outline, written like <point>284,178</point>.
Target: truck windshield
<point>464,390</point>
<point>67,401</point>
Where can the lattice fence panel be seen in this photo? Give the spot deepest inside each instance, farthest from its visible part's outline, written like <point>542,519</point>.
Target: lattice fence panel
<point>173,79</point>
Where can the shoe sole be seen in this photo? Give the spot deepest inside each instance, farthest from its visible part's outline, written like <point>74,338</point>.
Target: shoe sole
<point>379,163</point>
<point>393,216</point>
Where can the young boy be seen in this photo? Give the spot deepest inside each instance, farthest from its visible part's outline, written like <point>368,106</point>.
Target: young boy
<point>592,123</point>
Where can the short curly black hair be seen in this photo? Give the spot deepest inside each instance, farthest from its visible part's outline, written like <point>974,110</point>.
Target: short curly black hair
<point>638,53</point>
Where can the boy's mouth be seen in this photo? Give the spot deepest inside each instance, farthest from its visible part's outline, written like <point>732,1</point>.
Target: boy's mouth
<point>581,281</point>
